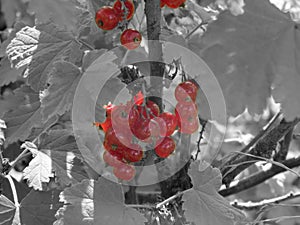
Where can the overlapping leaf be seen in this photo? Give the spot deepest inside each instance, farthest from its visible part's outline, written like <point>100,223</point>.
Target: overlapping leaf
<point>96,202</point>
<point>38,48</point>
<point>11,8</point>
<point>39,208</point>
<point>238,49</point>
<point>24,116</point>
<point>203,204</point>
<point>7,211</point>
<point>58,155</point>
<point>61,12</point>
<point>8,74</point>
<point>63,81</point>
<point>286,68</point>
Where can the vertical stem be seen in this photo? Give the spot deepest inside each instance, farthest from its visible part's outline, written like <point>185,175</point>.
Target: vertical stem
<point>153,15</point>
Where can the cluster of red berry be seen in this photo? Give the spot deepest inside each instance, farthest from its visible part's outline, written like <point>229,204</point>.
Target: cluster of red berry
<point>172,3</point>
<point>140,121</point>
<point>108,18</point>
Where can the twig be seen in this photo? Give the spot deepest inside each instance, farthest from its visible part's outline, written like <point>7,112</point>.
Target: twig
<point>260,135</point>
<point>259,177</point>
<point>276,219</point>
<point>13,190</point>
<point>258,205</point>
<point>12,165</point>
<point>270,161</point>
<point>203,123</point>
<point>196,28</point>
<point>141,206</point>
<point>263,148</point>
<point>284,146</point>
<point>85,44</point>
<point>159,205</point>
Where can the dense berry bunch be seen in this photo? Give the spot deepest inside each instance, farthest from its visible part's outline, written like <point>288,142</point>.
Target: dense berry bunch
<point>139,122</point>
<point>109,17</point>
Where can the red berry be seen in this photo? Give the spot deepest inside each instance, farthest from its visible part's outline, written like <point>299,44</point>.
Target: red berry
<point>162,3</point>
<point>170,121</point>
<point>112,160</point>
<point>141,129</point>
<point>124,116</point>
<point>106,18</point>
<point>186,92</point>
<point>174,3</point>
<point>116,141</point>
<point>158,127</point>
<point>185,111</point>
<point>149,111</point>
<point>134,153</point>
<point>130,8</point>
<point>165,147</point>
<point>124,172</point>
<point>189,126</point>
<point>131,39</point>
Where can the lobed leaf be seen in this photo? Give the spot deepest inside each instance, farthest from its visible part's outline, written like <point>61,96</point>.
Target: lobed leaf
<point>63,80</point>
<point>96,202</point>
<point>38,48</point>
<point>8,74</point>
<point>58,157</point>
<point>240,50</point>
<point>39,208</point>
<point>203,204</point>
<point>7,211</point>
<point>23,115</point>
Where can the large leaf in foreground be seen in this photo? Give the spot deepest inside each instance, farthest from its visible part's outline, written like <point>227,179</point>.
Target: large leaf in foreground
<point>203,204</point>
<point>63,81</point>
<point>38,47</point>
<point>238,49</point>
<point>96,202</point>
<point>58,155</point>
<point>39,208</point>
<point>7,211</point>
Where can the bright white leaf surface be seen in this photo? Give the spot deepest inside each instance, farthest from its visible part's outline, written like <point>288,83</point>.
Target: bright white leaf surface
<point>58,155</point>
<point>38,48</point>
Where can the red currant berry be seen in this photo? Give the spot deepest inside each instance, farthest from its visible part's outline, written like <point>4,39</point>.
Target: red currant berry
<point>170,121</point>
<point>186,92</point>
<point>106,18</point>
<point>189,126</point>
<point>134,153</point>
<point>158,127</point>
<point>174,3</point>
<point>112,160</point>
<point>124,172</point>
<point>130,9</point>
<point>131,39</point>
<point>185,111</point>
<point>165,147</point>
